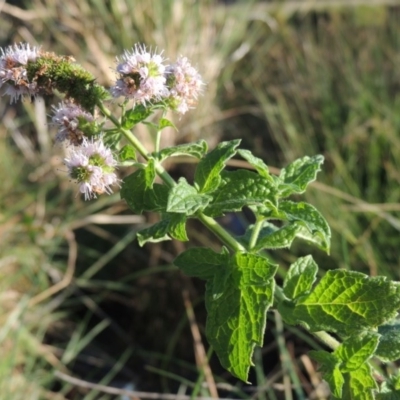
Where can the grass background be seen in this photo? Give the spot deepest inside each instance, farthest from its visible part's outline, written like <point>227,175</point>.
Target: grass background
<point>78,297</point>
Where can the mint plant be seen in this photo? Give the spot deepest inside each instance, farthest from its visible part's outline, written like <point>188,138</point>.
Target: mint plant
<point>351,313</point>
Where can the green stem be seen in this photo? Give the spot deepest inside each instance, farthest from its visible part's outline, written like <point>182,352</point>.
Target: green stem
<point>158,140</point>
<point>128,134</point>
<point>208,222</point>
<point>326,338</point>
<point>255,233</point>
<point>217,229</point>
<point>162,173</point>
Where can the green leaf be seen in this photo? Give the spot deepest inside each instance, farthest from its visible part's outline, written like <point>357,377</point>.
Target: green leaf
<point>388,395</point>
<point>127,153</point>
<point>356,385</point>
<point>300,277</point>
<point>207,175</point>
<point>150,174</point>
<point>237,301</point>
<point>134,116</point>
<point>171,226</point>
<point>389,344</point>
<point>359,384</point>
<point>140,197</point>
<point>297,175</point>
<point>239,292</point>
<point>329,366</point>
<point>335,380</point>
<point>198,150</point>
<point>177,227</point>
<point>240,188</point>
<point>202,262</point>
<point>347,302</point>
<point>257,163</point>
<point>326,360</point>
<point>390,390</point>
<point>164,123</point>
<point>272,237</point>
<point>112,139</point>
<point>156,233</point>
<point>184,198</point>
<point>317,229</point>
<point>357,350</point>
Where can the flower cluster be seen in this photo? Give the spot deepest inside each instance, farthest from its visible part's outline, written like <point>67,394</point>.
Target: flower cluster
<point>70,117</point>
<point>144,78</point>
<point>13,72</point>
<point>141,76</point>
<point>184,83</point>
<point>92,165</point>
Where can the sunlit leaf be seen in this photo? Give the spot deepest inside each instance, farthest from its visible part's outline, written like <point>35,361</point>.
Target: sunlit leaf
<point>207,176</point>
<point>300,277</point>
<point>297,175</point>
<point>184,198</point>
<point>346,301</point>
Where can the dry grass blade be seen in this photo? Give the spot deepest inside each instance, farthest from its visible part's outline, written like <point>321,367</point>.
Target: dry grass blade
<point>200,353</point>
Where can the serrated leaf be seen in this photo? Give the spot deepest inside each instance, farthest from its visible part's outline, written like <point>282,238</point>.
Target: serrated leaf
<point>164,123</point>
<point>198,150</point>
<point>137,114</point>
<point>297,175</point>
<point>318,229</point>
<point>184,198</point>
<point>356,350</point>
<point>329,366</point>
<point>257,163</point>
<point>347,302</point>
<point>177,227</point>
<point>389,344</point>
<point>127,153</point>
<point>278,238</point>
<point>239,291</point>
<point>202,262</point>
<point>156,233</point>
<point>171,226</point>
<point>359,384</point>
<point>237,315</point>
<point>241,188</point>
<point>207,175</point>
<point>300,277</point>
<point>139,197</point>
<point>335,380</point>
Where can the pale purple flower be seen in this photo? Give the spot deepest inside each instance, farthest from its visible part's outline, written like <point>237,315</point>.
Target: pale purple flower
<point>13,73</point>
<point>66,117</point>
<point>141,76</point>
<point>92,165</point>
<point>185,85</point>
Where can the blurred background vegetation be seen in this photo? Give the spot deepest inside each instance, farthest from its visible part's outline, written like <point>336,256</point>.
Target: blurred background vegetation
<point>78,297</point>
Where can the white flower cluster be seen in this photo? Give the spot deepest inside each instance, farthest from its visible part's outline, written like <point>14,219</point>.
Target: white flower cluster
<point>92,165</point>
<point>13,73</point>
<point>185,84</point>
<point>144,78</point>
<point>67,116</point>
